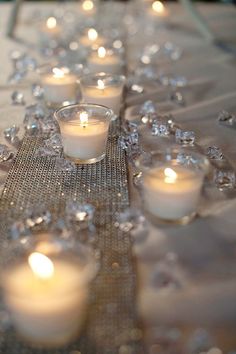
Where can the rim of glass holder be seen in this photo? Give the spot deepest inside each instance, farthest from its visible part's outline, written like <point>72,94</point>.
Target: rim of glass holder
<point>107,113</point>
<point>55,248</point>
<point>109,79</point>
<point>174,156</point>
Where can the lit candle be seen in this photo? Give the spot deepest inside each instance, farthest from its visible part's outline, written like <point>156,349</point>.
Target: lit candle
<point>88,8</point>
<point>158,9</point>
<point>46,298</point>
<point>103,89</point>
<point>172,192</point>
<point>59,86</point>
<point>51,27</point>
<point>104,60</point>
<point>84,137</point>
<point>91,38</point>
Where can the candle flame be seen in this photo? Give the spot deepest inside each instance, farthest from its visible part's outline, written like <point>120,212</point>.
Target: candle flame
<point>87,5</point>
<point>101,84</point>
<point>170,175</point>
<point>101,52</point>
<point>41,265</point>
<point>83,118</point>
<point>157,6</point>
<point>58,73</point>
<point>51,22</point>
<point>92,34</point>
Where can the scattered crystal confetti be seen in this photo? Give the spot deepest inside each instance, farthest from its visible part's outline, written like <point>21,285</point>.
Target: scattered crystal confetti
<point>10,133</point>
<point>64,165</point>
<point>178,81</point>
<point>146,72</point>
<point>54,142</point>
<point>186,159</point>
<point>225,179</point>
<point>199,342</point>
<point>134,222</point>
<point>172,51</point>
<point>49,126</point>
<point>26,63</point>
<point>128,140</point>
<point>214,153</point>
<point>17,98</point>
<point>177,97</point>
<point>184,138</point>
<point>45,151</point>
<point>5,153</point>
<point>227,118</point>
<point>147,107</point>
<point>37,91</point>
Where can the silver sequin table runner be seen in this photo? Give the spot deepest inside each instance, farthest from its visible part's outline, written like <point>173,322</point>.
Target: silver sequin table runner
<point>111,325</point>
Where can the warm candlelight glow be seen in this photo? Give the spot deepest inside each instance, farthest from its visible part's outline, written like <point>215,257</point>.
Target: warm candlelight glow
<point>157,6</point>
<point>51,22</point>
<point>101,52</point>
<point>170,175</point>
<point>88,5</point>
<point>58,73</point>
<point>101,84</point>
<point>83,118</point>
<point>92,34</point>
<point>41,265</point>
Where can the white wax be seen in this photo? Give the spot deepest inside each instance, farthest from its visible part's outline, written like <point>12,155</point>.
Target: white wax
<point>172,201</point>
<point>84,142</point>
<point>109,64</point>
<point>46,312</point>
<point>59,89</point>
<point>109,97</point>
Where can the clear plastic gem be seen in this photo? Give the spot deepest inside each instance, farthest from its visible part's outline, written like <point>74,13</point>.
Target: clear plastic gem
<point>214,153</point>
<point>17,98</point>
<point>178,81</point>
<point>5,153</point>
<point>16,77</point>
<point>38,111</point>
<point>48,126</point>
<point>37,91</point>
<point>136,88</point>
<point>10,133</point>
<point>54,142</point>
<point>147,107</point>
<point>184,137</point>
<point>225,179</point>
<point>64,165</point>
<point>134,222</point>
<point>80,212</point>
<point>33,126</point>
<point>177,97</point>
<point>172,51</point>
<point>226,118</point>
<point>45,151</point>
<point>38,217</point>
<point>160,127</point>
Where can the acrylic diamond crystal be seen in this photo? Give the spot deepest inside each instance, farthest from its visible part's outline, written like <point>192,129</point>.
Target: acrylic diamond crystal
<point>17,98</point>
<point>184,137</point>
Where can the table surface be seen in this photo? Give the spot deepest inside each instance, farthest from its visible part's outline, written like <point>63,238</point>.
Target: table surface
<point>206,248</point>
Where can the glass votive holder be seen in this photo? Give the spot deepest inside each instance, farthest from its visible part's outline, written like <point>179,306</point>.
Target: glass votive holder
<point>60,85</point>
<point>172,184</point>
<point>84,131</point>
<point>103,89</point>
<point>45,282</point>
<point>104,60</point>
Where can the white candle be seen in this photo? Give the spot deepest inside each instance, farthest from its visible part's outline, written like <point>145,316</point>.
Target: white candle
<point>105,95</point>
<point>59,86</point>
<point>46,299</point>
<point>157,9</point>
<point>104,61</point>
<point>84,139</point>
<point>172,192</point>
<point>91,38</point>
